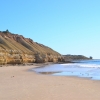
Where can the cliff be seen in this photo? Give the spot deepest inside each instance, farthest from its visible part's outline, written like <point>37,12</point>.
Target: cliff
<point>16,49</point>
<point>75,57</point>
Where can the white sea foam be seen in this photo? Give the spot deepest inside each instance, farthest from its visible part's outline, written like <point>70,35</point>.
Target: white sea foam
<point>81,65</point>
<point>84,69</point>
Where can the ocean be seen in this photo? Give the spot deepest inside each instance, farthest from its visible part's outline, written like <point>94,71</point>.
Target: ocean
<point>82,68</point>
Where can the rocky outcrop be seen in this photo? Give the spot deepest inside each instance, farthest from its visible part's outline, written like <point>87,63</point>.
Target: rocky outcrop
<point>75,57</point>
<point>16,49</point>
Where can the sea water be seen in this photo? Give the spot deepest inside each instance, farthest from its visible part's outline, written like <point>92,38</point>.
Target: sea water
<point>83,68</point>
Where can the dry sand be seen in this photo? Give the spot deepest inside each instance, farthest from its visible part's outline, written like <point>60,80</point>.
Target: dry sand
<point>16,83</point>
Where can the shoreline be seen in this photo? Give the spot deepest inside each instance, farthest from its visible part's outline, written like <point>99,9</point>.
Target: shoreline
<point>17,83</point>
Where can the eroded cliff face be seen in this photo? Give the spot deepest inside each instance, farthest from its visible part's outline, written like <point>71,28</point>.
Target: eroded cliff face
<point>15,49</point>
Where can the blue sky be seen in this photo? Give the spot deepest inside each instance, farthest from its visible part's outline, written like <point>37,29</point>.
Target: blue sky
<point>67,26</point>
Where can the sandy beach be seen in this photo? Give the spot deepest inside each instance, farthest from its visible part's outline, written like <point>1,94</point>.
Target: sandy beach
<point>17,83</point>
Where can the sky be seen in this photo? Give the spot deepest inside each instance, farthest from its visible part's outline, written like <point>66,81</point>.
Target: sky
<point>67,26</point>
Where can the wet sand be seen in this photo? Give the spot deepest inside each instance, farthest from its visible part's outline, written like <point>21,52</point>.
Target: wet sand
<point>16,83</point>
